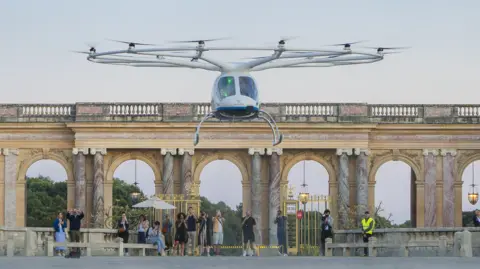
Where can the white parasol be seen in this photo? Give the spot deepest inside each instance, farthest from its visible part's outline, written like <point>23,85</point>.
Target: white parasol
<point>155,203</point>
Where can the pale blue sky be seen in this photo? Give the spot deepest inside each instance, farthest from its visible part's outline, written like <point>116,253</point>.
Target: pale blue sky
<point>441,67</point>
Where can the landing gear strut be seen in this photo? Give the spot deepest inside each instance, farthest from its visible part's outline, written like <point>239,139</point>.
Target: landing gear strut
<point>277,136</point>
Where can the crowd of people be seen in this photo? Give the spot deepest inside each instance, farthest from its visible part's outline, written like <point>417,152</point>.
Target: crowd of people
<point>192,231</point>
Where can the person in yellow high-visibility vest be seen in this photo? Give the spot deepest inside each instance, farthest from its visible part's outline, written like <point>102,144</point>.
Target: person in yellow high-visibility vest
<point>368,225</point>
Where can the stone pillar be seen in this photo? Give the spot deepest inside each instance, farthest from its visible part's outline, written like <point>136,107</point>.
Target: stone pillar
<point>10,179</point>
<point>361,180</point>
<point>343,187</point>
<point>98,209</point>
<point>186,178</point>
<point>274,192</point>
<point>256,191</point>
<point>448,187</point>
<point>80,177</point>
<point>430,168</point>
<point>168,170</point>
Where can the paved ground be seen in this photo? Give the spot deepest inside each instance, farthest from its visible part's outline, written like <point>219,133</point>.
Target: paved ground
<point>236,263</point>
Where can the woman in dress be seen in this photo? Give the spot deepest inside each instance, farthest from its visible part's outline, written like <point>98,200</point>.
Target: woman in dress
<point>141,230</point>
<point>122,226</point>
<point>181,233</point>
<point>155,237</point>
<point>59,226</point>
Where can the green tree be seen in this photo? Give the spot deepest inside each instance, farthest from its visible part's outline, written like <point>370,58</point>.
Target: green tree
<point>45,199</point>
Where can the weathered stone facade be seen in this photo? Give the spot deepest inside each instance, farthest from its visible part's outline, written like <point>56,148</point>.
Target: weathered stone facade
<point>350,140</point>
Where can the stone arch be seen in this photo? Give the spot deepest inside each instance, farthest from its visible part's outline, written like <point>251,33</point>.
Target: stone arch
<point>62,160</point>
<point>378,163</point>
<point>132,156</point>
<point>416,209</point>
<point>332,176</point>
<point>221,156</point>
<point>464,164</point>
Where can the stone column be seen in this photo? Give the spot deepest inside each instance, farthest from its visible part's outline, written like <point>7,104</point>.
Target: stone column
<point>168,170</point>
<point>274,192</point>
<point>361,180</point>
<point>256,191</point>
<point>98,208</point>
<point>186,178</point>
<point>448,187</point>
<point>10,179</point>
<point>80,177</point>
<point>430,168</point>
<point>343,187</point>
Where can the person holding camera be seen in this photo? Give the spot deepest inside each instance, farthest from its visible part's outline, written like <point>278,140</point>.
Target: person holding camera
<point>327,229</point>
<point>281,222</point>
<point>123,226</point>
<point>74,216</point>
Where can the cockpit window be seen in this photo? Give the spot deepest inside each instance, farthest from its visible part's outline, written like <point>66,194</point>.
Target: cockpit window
<point>226,87</point>
<point>248,88</point>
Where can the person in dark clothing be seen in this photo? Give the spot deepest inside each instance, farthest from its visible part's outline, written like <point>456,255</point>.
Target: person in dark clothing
<point>74,217</point>
<point>181,235</point>
<point>281,222</point>
<point>327,229</point>
<point>123,226</point>
<point>167,232</point>
<point>248,224</point>
<point>476,218</point>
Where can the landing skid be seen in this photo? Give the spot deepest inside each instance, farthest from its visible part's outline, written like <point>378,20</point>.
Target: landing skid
<point>277,136</point>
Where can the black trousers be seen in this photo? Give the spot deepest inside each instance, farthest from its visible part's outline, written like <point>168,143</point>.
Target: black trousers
<point>323,236</point>
<point>124,236</point>
<point>365,240</point>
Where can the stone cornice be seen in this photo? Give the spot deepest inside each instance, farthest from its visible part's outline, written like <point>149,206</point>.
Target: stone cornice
<point>172,151</point>
<point>278,151</point>
<point>94,151</point>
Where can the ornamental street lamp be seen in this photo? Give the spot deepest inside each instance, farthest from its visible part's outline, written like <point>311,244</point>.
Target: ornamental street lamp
<point>135,195</point>
<point>303,195</point>
<point>473,193</point>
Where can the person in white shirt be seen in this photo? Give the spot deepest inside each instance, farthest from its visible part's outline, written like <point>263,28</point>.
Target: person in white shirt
<point>156,238</point>
<point>218,222</point>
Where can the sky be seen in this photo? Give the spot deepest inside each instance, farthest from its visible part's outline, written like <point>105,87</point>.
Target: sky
<point>37,65</point>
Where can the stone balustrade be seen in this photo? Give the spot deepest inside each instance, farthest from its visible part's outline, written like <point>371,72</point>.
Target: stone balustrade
<point>33,241</point>
<point>282,112</point>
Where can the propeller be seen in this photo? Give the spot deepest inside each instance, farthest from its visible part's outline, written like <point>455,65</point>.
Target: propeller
<point>132,44</point>
<point>381,49</point>
<point>349,44</point>
<point>285,39</point>
<point>200,41</point>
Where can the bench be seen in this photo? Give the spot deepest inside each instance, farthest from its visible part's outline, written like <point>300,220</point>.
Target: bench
<point>372,246</point>
<point>119,246</point>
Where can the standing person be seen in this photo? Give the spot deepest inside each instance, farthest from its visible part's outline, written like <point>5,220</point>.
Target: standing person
<point>181,233</point>
<point>123,226</point>
<point>327,229</point>
<point>218,222</point>
<point>75,217</point>
<point>368,225</point>
<point>59,225</point>
<point>202,233</point>
<point>167,232</point>
<point>209,224</point>
<point>248,224</point>
<point>191,231</point>
<point>281,222</point>
<point>142,230</point>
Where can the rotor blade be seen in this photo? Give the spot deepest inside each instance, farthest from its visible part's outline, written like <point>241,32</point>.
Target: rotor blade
<point>391,52</point>
<point>387,48</point>
<point>200,40</point>
<point>82,52</point>
<point>127,42</point>
<point>348,43</point>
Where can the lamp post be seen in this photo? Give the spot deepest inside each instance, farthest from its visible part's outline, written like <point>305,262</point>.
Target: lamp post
<point>303,197</point>
<point>473,193</point>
